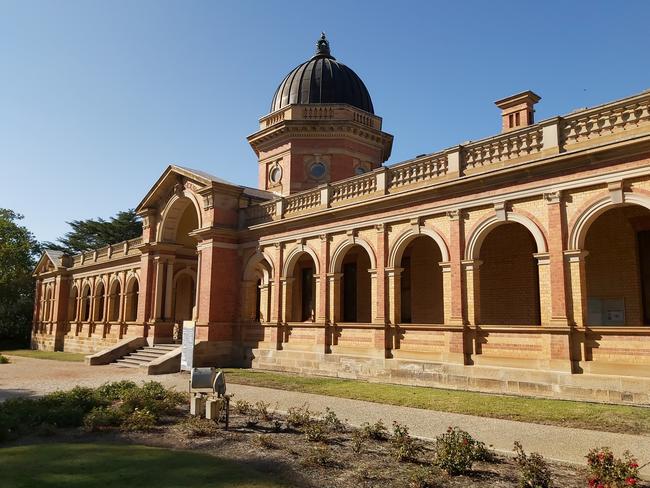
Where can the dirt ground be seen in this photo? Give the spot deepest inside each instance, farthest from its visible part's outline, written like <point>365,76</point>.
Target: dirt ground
<point>274,448</point>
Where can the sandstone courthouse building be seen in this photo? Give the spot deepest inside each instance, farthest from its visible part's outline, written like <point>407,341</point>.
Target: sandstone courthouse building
<point>518,263</point>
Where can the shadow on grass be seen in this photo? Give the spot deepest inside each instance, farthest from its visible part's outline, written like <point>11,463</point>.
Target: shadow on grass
<point>116,465</point>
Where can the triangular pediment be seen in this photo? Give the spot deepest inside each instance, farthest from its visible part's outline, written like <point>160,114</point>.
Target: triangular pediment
<point>177,178</point>
<point>50,261</point>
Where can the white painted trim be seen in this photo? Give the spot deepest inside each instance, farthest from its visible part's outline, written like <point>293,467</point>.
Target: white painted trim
<point>402,242</point>
<point>341,250</point>
<point>293,256</point>
<point>473,249</point>
<point>578,232</point>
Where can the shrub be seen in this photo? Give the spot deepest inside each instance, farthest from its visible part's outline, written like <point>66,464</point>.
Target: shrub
<point>424,477</point>
<point>358,440</point>
<point>316,431</point>
<point>101,418</point>
<point>332,422</point>
<point>606,471</point>
<point>3,359</point>
<point>198,427</point>
<point>534,471</point>
<point>319,456</point>
<point>116,390</point>
<point>376,431</point>
<point>405,447</point>
<point>266,442</point>
<point>262,410</point>
<point>298,417</point>
<point>243,407</point>
<point>139,420</point>
<point>456,451</point>
<point>152,397</point>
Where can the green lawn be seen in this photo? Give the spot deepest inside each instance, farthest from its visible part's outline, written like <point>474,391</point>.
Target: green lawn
<point>612,418</point>
<point>56,355</point>
<point>111,465</point>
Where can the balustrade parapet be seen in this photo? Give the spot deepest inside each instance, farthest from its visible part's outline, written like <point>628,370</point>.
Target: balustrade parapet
<point>550,137</point>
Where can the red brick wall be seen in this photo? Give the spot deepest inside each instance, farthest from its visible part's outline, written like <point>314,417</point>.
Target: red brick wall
<point>426,281</point>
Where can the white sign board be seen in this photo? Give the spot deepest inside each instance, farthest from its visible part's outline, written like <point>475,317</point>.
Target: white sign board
<point>187,347</point>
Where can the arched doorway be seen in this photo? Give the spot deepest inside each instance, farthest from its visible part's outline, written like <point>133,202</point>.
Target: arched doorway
<point>72,304</point>
<point>303,290</point>
<point>356,286</point>
<point>132,295</point>
<point>509,277</point>
<point>184,297</point>
<point>98,314</point>
<point>617,267</point>
<point>421,284</point>
<point>114,302</point>
<point>85,303</point>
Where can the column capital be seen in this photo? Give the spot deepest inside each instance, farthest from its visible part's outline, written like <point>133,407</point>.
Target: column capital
<point>471,264</point>
<point>553,197</point>
<point>576,255</point>
<point>396,271</point>
<point>456,214</point>
<point>543,258</point>
<point>446,266</point>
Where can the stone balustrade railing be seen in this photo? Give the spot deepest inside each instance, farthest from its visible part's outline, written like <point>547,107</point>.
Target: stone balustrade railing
<point>624,118</point>
<point>302,202</point>
<point>121,249</point>
<point>355,187</point>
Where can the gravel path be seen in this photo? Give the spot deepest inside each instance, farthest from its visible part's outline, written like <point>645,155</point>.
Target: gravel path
<point>26,376</point>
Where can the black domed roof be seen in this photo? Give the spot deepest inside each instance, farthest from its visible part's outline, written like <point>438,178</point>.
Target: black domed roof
<point>322,79</point>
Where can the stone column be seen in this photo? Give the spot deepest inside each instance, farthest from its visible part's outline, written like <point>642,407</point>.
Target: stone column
<point>545,287</point>
<point>454,295</point>
<point>577,285</point>
<point>159,289</point>
<point>323,257</point>
<point>556,239</point>
<point>446,291</point>
<point>394,291</point>
<point>394,276</point>
<point>169,283</point>
<point>334,280</point>
<point>473,290</point>
<point>286,284</point>
<point>146,290</point>
<point>379,298</point>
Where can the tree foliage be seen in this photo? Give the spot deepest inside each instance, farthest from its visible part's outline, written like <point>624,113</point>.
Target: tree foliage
<point>94,233</point>
<point>18,252</point>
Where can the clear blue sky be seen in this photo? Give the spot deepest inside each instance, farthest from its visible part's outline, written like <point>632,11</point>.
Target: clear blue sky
<point>98,97</point>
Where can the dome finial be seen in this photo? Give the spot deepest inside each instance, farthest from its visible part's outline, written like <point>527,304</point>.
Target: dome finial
<point>322,46</point>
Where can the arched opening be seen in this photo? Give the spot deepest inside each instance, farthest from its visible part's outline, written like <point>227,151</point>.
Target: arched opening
<point>617,267</point>
<point>421,283</point>
<point>256,290</point>
<point>509,277</point>
<point>356,286</point>
<point>132,293</point>
<point>99,303</point>
<point>47,312</point>
<point>85,304</point>
<point>303,300</point>
<point>72,304</point>
<point>114,302</point>
<point>184,298</point>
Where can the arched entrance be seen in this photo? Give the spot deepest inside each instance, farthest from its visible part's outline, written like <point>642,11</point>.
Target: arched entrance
<point>184,297</point>
<point>617,267</point>
<point>132,298</point>
<point>356,286</point>
<point>421,284</point>
<point>509,277</point>
<point>114,302</point>
<point>301,283</point>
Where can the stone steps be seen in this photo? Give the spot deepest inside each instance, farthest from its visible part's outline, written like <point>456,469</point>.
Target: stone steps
<point>145,355</point>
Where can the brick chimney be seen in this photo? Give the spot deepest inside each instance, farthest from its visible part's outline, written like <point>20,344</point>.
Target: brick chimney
<point>517,110</point>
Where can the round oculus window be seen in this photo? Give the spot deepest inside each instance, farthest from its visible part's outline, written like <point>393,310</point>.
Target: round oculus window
<point>275,175</point>
<point>359,170</point>
<point>317,170</point>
